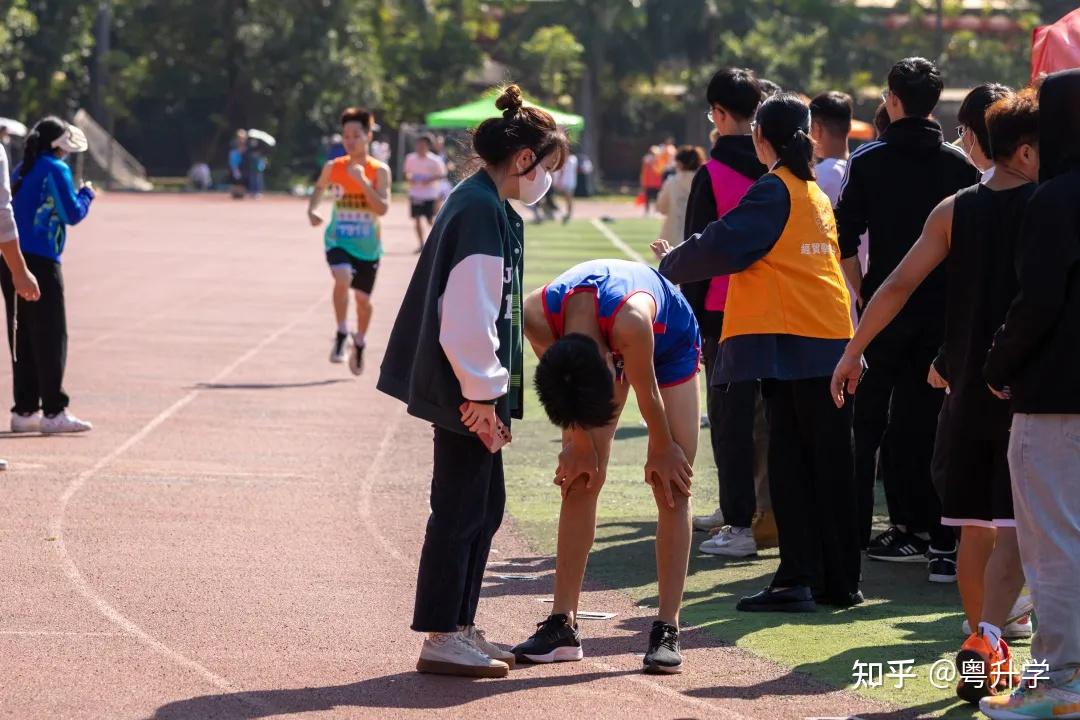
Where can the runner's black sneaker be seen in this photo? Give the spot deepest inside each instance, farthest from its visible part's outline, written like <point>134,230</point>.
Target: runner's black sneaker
<point>554,641</point>
<point>886,538</point>
<point>337,353</point>
<point>356,359</point>
<point>904,548</point>
<point>942,566</point>
<point>663,656</point>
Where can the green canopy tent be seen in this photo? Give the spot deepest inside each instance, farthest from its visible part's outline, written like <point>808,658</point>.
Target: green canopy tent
<point>472,114</point>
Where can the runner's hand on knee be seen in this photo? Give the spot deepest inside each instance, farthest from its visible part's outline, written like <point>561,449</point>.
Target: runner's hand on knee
<point>668,466</point>
<point>575,463</point>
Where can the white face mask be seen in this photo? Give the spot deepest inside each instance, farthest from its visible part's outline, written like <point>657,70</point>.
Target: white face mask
<point>532,191</point>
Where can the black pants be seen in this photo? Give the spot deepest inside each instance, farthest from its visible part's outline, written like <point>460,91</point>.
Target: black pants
<point>467,500</point>
<point>895,402</point>
<point>731,410</point>
<point>813,487</point>
<point>38,374</point>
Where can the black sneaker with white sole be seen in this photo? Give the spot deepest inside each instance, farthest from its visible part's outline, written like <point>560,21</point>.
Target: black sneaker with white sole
<point>886,538</point>
<point>555,640</point>
<point>942,566</point>
<point>663,656</point>
<point>337,353</point>
<point>904,548</point>
<point>356,359</point>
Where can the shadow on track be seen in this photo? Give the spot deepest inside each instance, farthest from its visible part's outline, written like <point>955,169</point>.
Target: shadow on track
<point>403,691</point>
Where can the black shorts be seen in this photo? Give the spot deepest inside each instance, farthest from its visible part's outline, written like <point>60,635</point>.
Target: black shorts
<point>422,208</point>
<point>651,194</point>
<point>363,271</point>
<point>972,460</point>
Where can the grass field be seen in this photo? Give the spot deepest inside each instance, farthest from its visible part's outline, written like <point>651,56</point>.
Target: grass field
<point>905,617</point>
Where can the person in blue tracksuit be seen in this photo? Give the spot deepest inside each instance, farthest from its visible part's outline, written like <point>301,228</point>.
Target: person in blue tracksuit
<point>46,202</point>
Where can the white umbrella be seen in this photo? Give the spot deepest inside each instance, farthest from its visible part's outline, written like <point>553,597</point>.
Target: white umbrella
<point>262,136</point>
<point>14,127</point>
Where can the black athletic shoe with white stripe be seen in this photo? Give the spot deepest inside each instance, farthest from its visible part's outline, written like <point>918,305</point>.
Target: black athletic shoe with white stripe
<point>555,640</point>
<point>904,548</point>
<point>942,566</point>
<point>886,538</point>
<point>663,656</point>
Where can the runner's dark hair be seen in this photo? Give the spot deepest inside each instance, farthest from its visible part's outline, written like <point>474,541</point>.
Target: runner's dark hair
<point>574,383</point>
<point>356,114</point>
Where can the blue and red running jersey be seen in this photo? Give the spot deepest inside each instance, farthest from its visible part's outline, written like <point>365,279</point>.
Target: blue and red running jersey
<point>612,282</point>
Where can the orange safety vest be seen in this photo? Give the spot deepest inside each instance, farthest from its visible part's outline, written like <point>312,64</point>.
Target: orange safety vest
<point>798,288</point>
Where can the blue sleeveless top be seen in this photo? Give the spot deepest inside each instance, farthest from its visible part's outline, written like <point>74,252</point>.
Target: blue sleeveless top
<point>612,283</point>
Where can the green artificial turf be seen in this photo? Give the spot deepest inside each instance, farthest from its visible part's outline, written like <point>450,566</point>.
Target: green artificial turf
<point>905,617</point>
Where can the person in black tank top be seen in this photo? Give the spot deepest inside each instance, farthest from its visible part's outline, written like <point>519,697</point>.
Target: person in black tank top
<point>975,233</point>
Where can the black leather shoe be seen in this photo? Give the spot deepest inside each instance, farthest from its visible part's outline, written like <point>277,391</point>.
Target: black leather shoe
<point>795,600</point>
<point>845,600</point>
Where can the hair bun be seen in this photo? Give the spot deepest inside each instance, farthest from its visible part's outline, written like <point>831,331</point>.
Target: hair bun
<point>510,101</point>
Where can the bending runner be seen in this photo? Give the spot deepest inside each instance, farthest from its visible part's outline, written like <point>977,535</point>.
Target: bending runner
<point>599,329</point>
<point>361,188</point>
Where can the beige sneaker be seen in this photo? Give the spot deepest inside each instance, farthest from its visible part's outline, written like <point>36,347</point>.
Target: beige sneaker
<point>451,654</point>
<point>475,635</point>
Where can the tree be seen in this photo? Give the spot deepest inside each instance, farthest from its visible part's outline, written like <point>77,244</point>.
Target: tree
<point>554,59</point>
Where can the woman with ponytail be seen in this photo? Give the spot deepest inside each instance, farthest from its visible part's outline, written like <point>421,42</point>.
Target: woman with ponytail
<point>455,358</point>
<point>45,202</point>
<point>786,324</point>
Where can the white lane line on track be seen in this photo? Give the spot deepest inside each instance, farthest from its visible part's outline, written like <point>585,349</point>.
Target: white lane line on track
<point>71,570</point>
<point>63,633</point>
<point>617,241</point>
<point>366,483</point>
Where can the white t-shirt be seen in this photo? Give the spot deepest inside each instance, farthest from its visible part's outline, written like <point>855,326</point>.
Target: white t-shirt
<point>830,177</point>
<point>566,179</point>
<point>8,230</point>
<point>424,175</point>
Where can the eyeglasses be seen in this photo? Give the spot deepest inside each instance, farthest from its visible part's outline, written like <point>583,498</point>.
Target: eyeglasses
<point>753,125</point>
<point>960,131</point>
<point>708,114</point>
<point>885,96</point>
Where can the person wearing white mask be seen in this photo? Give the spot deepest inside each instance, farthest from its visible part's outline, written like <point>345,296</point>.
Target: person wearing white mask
<point>455,358</point>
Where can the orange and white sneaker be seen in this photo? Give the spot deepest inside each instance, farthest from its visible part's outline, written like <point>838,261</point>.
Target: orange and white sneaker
<point>983,671</point>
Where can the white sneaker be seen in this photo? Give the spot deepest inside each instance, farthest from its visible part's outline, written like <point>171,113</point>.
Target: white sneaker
<point>478,639</point>
<point>25,423</point>
<point>64,423</point>
<point>705,523</point>
<point>1019,630</point>
<point>731,542</point>
<point>451,654</point>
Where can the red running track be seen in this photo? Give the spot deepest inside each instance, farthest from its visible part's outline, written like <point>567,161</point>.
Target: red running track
<point>238,536</point>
